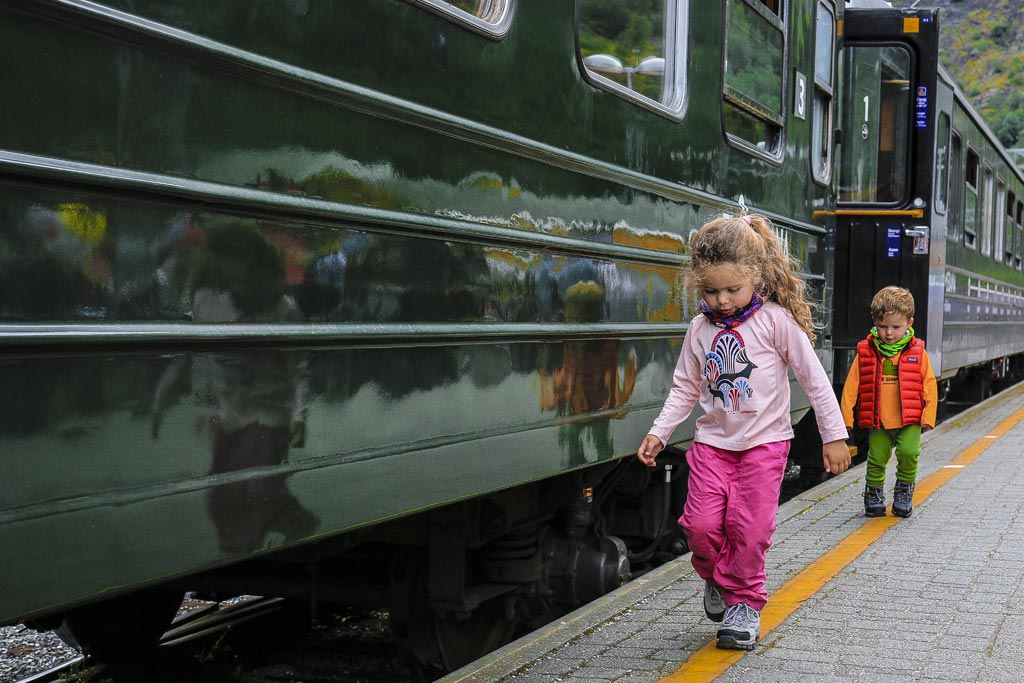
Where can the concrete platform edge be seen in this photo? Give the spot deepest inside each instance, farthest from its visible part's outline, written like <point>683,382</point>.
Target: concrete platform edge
<point>533,646</point>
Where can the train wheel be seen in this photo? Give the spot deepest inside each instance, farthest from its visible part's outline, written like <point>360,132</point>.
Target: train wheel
<point>435,642</point>
<point>120,627</point>
<point>463,640</point>
<point>438,644</point>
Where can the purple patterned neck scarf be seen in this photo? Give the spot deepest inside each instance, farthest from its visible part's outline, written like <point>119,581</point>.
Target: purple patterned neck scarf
<point>738,317</point>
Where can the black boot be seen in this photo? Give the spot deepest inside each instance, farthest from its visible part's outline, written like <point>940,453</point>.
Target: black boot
<point>874,501</point>
<point>903,499</point>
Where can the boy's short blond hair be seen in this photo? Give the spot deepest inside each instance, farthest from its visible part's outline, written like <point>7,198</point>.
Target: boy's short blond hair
<point>892,300</point>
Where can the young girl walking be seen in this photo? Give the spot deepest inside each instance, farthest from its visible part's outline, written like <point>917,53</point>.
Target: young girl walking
<point>754,324</point>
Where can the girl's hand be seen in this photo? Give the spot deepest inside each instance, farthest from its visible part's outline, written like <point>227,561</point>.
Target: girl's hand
<point>649,449</point>
<point>836,455</point>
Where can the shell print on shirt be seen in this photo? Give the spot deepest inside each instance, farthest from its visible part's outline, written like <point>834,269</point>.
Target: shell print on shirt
<point>727,369</point>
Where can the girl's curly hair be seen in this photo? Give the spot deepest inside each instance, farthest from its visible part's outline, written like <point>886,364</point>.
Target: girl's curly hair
<point>750,243</point>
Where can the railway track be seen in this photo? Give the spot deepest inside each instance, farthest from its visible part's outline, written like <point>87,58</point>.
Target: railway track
<point>254,640</point>
<point>193,632</point>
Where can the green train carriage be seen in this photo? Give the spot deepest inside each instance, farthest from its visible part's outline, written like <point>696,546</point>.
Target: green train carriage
<point>386,290</point>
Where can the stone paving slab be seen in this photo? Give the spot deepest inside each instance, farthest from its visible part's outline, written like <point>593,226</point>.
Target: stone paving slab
<point>934,599</point>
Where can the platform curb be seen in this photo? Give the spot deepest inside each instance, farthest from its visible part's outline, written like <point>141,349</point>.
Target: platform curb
<point>531,647</point>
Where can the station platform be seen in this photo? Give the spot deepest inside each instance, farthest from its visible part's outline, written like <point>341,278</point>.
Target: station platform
<point>937,596</point>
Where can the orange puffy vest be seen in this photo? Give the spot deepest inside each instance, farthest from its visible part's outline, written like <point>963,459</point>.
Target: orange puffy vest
<point>908,371</point>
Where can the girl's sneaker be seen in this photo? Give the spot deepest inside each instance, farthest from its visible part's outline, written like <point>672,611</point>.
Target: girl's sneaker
<point>903,499</point>
<point>874,501</point>
<point>740,628</point>
<point>714,606</point>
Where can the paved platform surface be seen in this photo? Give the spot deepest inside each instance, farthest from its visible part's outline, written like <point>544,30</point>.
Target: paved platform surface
<point>938,596</point>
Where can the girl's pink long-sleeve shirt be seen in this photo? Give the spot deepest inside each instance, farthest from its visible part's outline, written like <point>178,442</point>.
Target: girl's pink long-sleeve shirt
<point>739,377</point>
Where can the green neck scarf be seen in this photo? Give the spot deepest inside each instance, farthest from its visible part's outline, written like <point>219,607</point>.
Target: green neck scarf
<point>890,350</point>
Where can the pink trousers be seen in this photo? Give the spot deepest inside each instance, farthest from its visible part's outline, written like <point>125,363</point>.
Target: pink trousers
<point>729,516</point>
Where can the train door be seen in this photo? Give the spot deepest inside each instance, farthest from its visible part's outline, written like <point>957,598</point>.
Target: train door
<point>947,160</point>
<point>886,201</point>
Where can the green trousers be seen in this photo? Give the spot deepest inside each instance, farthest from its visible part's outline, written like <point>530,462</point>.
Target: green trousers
<point>907,441</point>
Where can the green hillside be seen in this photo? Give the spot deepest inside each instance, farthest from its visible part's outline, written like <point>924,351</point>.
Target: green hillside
<point>982,45</point>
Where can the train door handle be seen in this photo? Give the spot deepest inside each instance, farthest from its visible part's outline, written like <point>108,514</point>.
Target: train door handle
<point>918,233</point>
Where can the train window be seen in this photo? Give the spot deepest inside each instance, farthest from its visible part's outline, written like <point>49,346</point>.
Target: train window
<point>876,89</point>
<point>754,65</point>
<point>971,179</point>
<point>821,110</point>
<point>1010,231</point>
<point>490,17</point>
<point>998,213</point>
<point>941,163</point>
<point>956,184</point>
<point>1020,235</point>
<point>636,50</point>
<point>986,212</point>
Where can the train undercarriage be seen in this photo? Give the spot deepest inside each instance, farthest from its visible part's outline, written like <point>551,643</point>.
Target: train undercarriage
<point>971,385</point>
<point>458,581</point>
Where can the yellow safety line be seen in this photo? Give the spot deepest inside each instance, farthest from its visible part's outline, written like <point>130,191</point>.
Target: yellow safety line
<point>709,662</point>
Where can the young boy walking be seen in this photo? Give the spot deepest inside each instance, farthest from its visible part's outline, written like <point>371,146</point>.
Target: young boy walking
<point>891,391</point>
